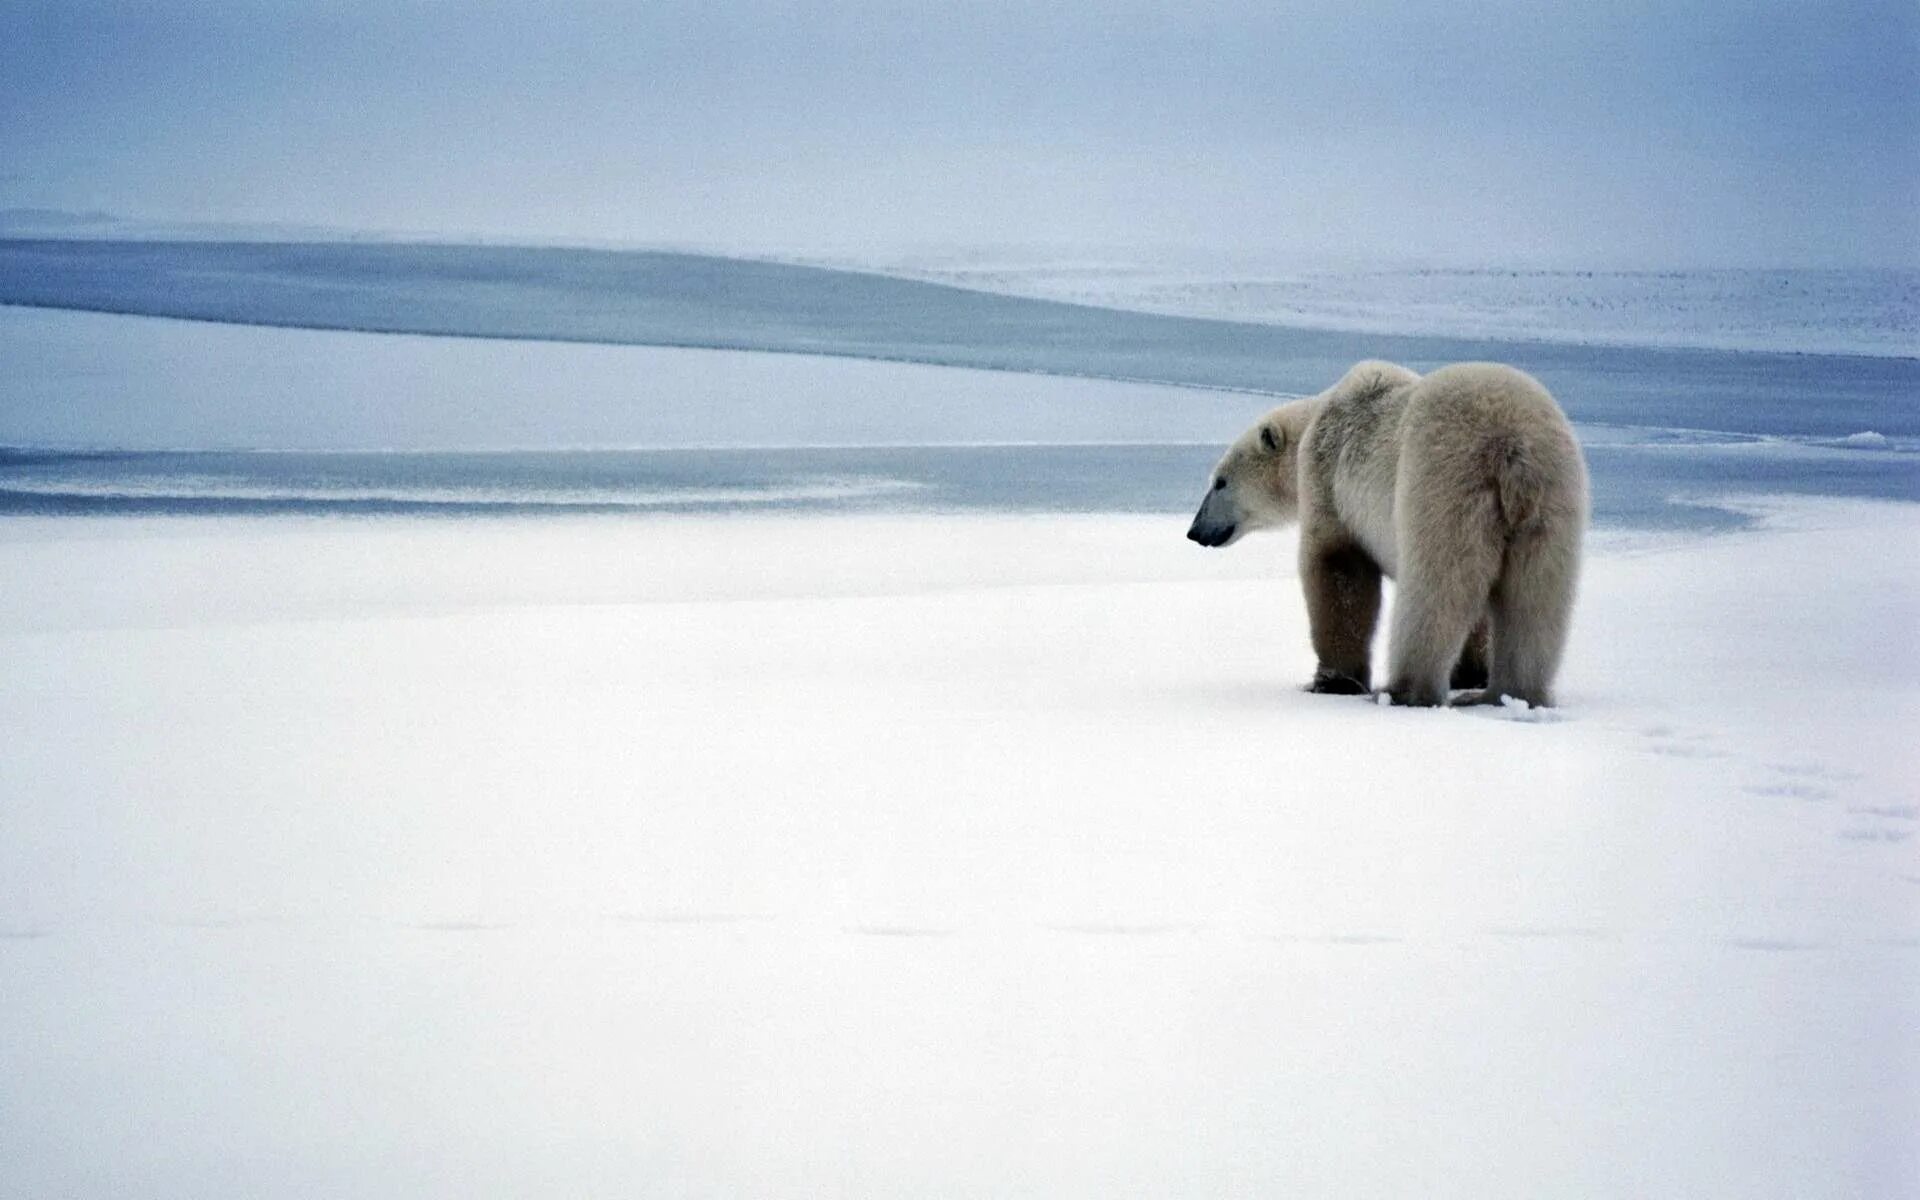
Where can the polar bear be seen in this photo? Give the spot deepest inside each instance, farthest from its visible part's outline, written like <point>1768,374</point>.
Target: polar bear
<point>1466,487</point>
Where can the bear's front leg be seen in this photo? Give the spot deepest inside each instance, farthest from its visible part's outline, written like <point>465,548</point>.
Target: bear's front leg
<point>1342,585</point>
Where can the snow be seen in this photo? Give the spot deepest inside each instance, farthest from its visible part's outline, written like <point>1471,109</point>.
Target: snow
<point>918,854</point>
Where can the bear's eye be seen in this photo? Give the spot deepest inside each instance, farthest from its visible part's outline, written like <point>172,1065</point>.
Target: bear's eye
<point>1219,483</point>
<point>1267,439</point>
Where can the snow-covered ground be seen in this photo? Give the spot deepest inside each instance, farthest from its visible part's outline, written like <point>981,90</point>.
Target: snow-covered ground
<point>924,855</point>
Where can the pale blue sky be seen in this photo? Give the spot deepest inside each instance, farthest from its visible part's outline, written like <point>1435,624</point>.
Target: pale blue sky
<point>1635,133</point>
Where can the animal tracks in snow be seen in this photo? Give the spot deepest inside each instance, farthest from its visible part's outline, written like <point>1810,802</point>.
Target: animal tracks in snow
<point>1815,771</point>
<point>1789,790</point>
<point>1888,812</point>
<point>1669,742</point>
<point>1817,782</point>
<point>1803,781</point>
<point>1808,782</point>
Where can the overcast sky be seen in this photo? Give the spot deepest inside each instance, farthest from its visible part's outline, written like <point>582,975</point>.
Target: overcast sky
<point>1496,131</point>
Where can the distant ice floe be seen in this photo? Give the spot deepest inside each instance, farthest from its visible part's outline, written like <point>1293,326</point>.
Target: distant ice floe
<point>207,489</point>
<point>1866,440</point>
<point>1653,437</point>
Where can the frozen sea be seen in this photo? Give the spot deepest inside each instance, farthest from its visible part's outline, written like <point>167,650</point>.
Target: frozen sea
<point>1872,311</point>
<point>1643,479</point>
<point>315,377</point>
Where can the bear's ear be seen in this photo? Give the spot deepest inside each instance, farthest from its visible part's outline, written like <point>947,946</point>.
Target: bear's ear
<point>1272,438</point>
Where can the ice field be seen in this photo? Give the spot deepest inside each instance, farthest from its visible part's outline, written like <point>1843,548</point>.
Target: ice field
<point>488,766</point>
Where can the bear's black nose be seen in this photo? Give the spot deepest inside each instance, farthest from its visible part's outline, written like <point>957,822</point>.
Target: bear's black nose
<point>1210,535</point>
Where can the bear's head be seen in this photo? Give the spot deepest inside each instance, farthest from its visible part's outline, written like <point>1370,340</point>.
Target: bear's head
<point>1257,483</point>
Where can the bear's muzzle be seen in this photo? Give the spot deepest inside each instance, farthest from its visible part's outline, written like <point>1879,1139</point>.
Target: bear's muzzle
<point>1212,526</point>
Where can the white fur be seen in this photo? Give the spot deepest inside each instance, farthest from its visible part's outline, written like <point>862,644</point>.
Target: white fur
<point>1465,486</point>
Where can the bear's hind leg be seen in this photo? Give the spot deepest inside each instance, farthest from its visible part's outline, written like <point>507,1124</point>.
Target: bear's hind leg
<point>1343,607</point>
<point>1532,606</point>
<point>1471,670</point>
<point>1447,573</point>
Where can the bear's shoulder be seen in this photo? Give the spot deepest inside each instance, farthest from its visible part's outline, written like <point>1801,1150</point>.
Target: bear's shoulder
<point>1367,381</point>
<point>1358,411</point>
